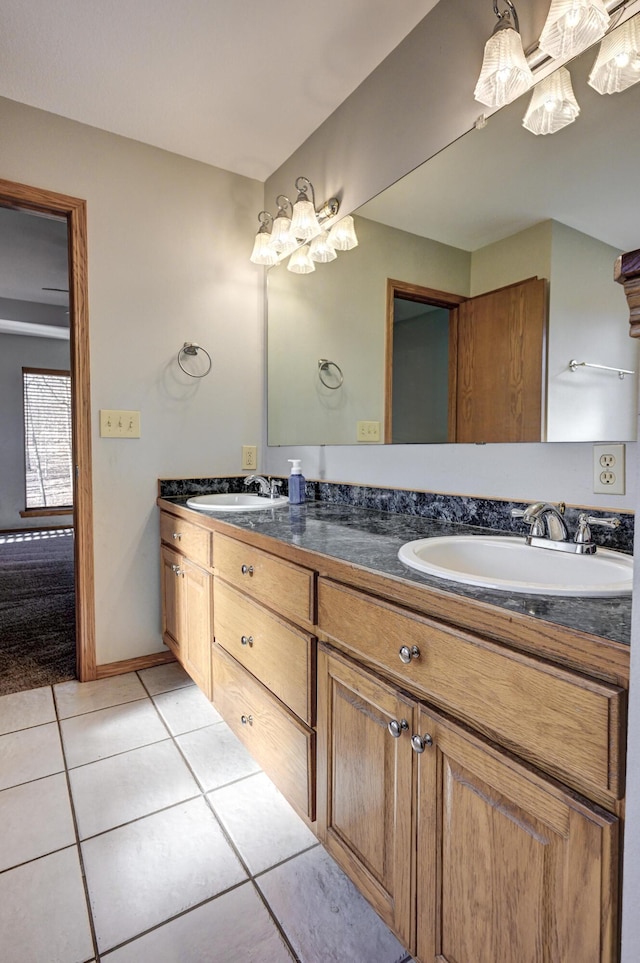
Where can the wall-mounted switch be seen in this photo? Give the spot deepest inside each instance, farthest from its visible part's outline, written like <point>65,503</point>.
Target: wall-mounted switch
<point>368,431</point>
<point>249,457</point>
<point>119,424</point>
<point>609,469</point>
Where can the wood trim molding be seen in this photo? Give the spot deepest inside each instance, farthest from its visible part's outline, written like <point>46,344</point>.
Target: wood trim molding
<point>627,273</point>
<point>74,210</point>
<point>110,669</point>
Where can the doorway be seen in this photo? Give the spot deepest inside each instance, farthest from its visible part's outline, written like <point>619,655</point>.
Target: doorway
<point>19,197</point>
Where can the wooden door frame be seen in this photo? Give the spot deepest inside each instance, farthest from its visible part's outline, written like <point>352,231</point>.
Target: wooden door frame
<point>74,210</point>
<point>440,299</point>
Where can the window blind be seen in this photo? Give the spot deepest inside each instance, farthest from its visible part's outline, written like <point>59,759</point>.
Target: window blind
<point>47,437</point>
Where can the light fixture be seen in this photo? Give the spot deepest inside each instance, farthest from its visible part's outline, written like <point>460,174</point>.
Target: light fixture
<point>263,251</point>
<point>343,234</point>
<point>304,222</point>
<point>572,26</point>
<point>281,236</point>
<point>553,104</point>
<point>505,72</point>
<point>300,261</point>
<point>307,233</point>
<point>617,65</point>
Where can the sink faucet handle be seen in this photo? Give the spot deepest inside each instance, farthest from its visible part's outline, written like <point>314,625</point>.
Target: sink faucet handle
<point>274,485</point>
<point>586,522</point>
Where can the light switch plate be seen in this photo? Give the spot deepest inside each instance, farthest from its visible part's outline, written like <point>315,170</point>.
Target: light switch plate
<point>115,423</point>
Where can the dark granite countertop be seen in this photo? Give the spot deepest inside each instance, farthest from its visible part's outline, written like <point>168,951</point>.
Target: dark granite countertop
<point>370,539</point>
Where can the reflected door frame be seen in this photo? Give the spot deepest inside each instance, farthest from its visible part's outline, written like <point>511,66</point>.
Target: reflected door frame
<point>74,210</point>
<point>422,295</point>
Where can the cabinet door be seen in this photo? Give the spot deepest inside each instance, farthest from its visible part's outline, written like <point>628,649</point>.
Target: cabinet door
<point>197,596</point>
<point>172,604</point>
<point>511,866</point>
<point>365,786</point>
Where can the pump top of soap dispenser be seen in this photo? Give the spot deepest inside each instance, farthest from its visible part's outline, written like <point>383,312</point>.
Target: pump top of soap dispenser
<point>295,465</point>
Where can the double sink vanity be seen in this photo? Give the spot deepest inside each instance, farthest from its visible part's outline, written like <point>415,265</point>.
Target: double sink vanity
<point>457,748</point>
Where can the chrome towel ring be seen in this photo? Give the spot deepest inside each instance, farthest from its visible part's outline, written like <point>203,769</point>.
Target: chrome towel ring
<point>323,367</point>
<point>190,350</point>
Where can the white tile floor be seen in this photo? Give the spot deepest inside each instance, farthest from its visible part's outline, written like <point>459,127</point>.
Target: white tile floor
<point>135,828</point>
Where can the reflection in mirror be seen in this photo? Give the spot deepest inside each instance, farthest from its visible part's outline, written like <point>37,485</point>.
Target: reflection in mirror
<point>498,207</point>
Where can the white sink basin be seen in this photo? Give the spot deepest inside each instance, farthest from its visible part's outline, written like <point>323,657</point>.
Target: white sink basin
<point>240,502</point>
<point>510,565</point>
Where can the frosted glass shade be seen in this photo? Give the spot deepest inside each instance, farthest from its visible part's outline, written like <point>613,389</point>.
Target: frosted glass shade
<point>263,251</point>
<point>572,26</point>
<point>553,104</point>
<point>304,223</point>
<point>281,233</point>
<point>300,262</point>
<point>343,235</point>
<point>321,249</point>
<point>505,72</point>
<point>617,65</point>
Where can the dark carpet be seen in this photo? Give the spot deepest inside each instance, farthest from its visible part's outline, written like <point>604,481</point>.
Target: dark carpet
<point>37,610</point>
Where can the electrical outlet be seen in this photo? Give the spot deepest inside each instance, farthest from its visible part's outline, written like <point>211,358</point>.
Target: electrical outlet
<point>368,431</point>
<point>119,424</point>
<point>249,457</point>
<point>609,469</point>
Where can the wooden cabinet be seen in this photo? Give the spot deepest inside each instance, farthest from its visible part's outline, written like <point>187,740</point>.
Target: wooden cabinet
<point>264,663</point>
<point>469,855</point>
<point>187,601</point>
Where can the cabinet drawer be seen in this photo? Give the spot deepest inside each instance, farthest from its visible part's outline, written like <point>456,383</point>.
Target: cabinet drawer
<point>283,586</point>
<point>278,654</point>
<point>280,743</point>
<point>186,537</point>
<point>568,725</point>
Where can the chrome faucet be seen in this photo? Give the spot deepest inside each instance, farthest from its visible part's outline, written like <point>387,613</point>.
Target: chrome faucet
<point>548,528</point>
<point>267,487</point>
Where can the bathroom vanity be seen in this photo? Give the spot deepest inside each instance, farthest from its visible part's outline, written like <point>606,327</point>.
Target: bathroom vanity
<point>458,752</point>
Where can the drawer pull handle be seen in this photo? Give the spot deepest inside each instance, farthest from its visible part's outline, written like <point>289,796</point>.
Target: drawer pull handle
<point>396,728</point>
<point>247,569</point>
<point>246,720</point>
<point>177,536</point>
<point>407,654</point>
<point>420,743</point>
<point>247,640</point>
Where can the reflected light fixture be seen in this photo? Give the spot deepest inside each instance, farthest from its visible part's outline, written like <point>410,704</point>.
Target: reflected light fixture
<point>343,234</point>
<point>572,26</point>
<point>505,72</point>
<point>617,65</point>
<point>553,104</point>
<point>300,261</point>
<point>303,231</point>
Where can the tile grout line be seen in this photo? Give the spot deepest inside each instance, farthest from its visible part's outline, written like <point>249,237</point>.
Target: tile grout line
<point>85,884</point>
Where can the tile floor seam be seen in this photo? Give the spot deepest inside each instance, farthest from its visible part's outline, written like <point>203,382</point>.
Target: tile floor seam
<point>85,884</point>
<point>90,712</point>
<point>137,819</point>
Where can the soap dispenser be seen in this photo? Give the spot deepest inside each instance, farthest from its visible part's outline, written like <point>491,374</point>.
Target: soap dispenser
<point>296,483</point>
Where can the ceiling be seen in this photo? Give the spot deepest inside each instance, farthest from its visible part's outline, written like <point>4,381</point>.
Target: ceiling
<point>236,85</point>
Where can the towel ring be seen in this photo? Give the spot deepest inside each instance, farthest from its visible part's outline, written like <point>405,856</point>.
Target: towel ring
<point>324,365</point>
<point>190,350</point>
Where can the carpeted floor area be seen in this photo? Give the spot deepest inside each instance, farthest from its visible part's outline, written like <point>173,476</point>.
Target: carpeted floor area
<point>37,609</point>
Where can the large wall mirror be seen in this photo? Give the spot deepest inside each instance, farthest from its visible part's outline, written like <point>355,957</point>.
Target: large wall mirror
<point>501,223</point>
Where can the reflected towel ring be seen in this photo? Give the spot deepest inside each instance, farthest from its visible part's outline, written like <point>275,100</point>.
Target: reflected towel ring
<point>324,365</point>
<point>190,349</point>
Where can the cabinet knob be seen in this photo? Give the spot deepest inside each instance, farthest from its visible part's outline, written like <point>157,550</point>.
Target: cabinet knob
<point>177,536</point>
<point>247,640</point>
<point>246,720</point>
<point>396,728</point>
<point>178,571</point>
<point>247,569</point>
<point>407,654</point>
<point>420,743</point>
